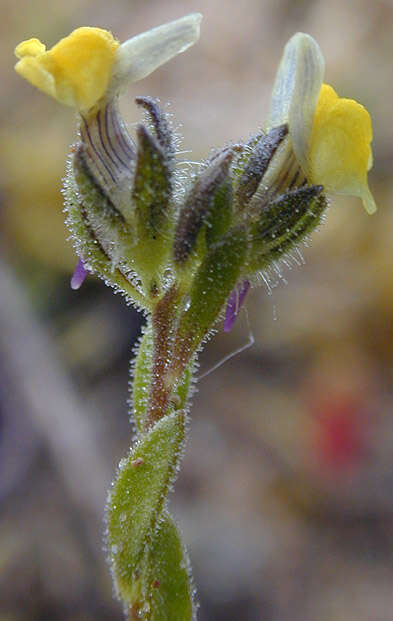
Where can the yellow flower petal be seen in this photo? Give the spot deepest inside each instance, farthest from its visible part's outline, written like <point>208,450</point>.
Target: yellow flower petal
<point>340,152</point>
<point>76,71</point>
<point>35,73</point>
<point>31,47</point>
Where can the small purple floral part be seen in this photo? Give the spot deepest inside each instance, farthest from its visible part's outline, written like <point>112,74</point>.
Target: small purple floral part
<point>234,304</point>
<point>79,275</point>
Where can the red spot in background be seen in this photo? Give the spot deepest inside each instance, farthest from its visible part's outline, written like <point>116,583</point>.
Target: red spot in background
<point>339,396</point>
<point>341,433</point>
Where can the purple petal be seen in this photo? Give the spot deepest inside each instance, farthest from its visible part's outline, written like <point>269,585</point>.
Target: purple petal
<point>79,275</point>
<point>234,304</point>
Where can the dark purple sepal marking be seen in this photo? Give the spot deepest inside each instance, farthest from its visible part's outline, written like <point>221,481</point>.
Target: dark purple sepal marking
<point>79,275</point>
<point>234,304</point>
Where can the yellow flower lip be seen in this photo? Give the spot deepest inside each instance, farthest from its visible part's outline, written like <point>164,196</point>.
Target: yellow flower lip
<point>76,71</point>
<point>330,136</point>
<point>89,65</point>
<point>340,153</point>
<point>31,47</point>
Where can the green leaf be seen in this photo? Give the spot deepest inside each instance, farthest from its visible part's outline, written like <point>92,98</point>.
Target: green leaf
<point>168,583</point>
<point>137,499</point>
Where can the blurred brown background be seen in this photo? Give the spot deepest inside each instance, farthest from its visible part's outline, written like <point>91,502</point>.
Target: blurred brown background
<point>285,498</point>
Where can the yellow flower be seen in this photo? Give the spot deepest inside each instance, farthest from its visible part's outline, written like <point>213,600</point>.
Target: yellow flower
<point>90,66</point>
<point>340,153</point>
<point>330,136</point>
<point>76,71</point>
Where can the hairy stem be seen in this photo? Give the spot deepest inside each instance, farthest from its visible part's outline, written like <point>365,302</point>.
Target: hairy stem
<point>162,383</point>
<point>133,612</point>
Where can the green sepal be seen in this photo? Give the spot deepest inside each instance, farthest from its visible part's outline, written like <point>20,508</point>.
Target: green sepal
<point>151,197</point>
<point>284,223</point>
<point>243,155</point>
<point>137,499</point>
<point>198,204</point>
<point>216,277</point>
<point>141,370</point>
<point>152,187</point>
<point>258,161</point>
<point>97,229</point>
<point>219,218</point>
<point>161,127</point>
<point>166,578</point>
